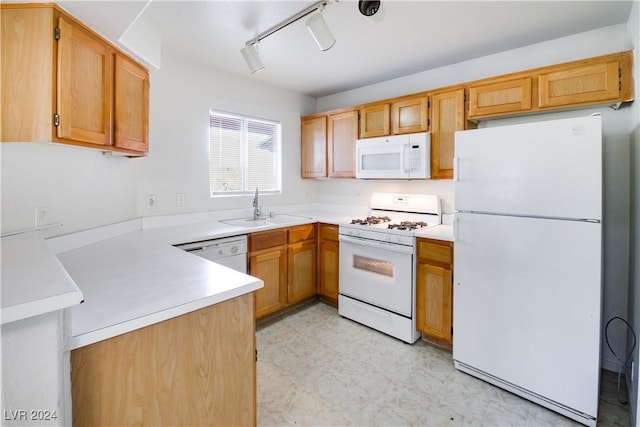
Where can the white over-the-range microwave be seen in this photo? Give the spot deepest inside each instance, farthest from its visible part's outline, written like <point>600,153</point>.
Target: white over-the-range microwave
<point>394,157</point>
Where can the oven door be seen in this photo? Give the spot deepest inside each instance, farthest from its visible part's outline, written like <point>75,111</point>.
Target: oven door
<point>377,273</point>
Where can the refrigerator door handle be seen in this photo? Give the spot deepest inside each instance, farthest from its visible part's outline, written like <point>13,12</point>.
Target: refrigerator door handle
<point>455,229</point>
<point>455,169</point>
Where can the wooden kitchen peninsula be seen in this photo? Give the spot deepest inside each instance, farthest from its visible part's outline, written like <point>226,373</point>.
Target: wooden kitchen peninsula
<point>195,369</point>
<point>163,337</point>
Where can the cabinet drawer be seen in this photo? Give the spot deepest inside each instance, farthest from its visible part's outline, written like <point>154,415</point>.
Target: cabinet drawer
<point>328,232</point>
<point>302,232</point>
<point>267,239</point>
<point>435,250</point>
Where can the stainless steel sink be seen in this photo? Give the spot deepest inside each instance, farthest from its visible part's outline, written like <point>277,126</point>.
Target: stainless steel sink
<point>246,222</point>
<point>269,220</point>
<point>285,218</point>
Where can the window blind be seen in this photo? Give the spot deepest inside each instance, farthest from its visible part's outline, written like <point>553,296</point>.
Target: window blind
<point>244,154</point>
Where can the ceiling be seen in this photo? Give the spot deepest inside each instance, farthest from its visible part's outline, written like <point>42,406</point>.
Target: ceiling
<point>413,36</point>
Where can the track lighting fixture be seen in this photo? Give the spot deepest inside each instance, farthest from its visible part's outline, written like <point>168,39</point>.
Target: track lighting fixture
<point>251,57</point>
<point>316,25</point>
<point>320,31</point>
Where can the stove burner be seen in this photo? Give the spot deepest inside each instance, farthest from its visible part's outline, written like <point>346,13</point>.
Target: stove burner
<point>371,220</point>
<point>408,225</point>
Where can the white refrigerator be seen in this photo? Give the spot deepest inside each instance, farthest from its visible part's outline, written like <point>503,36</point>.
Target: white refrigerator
<point>528,261</point>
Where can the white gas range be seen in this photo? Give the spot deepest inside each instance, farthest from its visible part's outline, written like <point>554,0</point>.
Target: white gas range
<point>377,262</point>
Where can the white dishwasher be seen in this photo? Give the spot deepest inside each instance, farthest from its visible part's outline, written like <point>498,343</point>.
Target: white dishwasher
<point>229,251</point>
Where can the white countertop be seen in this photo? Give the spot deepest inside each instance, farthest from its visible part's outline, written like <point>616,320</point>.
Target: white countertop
<point>33,280</point>
<point>439,232</point>
<point>138,279</point>
<point>133,277</point>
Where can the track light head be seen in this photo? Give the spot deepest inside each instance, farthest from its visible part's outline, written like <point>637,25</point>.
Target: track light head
<point>320,31</point>
<point>251,57</point>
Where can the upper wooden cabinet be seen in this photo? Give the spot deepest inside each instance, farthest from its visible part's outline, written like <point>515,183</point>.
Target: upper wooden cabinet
<point>597,81</point>
<point>410,115</point>
<point>375,120</point>
<point>313,132</point>
<point>342,132</point>
<point>131,111</point>
<point>447,117</point>
<point>601,80</point>
<point>328,144</point>
<point>85,85</point>
<point>509,96</point>
<point>76,90</point>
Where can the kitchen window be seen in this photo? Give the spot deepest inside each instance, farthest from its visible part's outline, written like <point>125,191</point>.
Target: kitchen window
<point>244,154</point>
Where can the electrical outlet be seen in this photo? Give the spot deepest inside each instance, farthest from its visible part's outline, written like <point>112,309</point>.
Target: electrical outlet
<point>151,201</point>
<point>179,199</point>
<point>41,217</point>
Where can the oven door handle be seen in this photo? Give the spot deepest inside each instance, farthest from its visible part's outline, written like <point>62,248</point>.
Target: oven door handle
<point>376,244</point>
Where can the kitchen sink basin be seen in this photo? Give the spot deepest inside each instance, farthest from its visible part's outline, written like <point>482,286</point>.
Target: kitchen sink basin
<point>285,218</point>
<point>246,222</point>
<point>268,220</point>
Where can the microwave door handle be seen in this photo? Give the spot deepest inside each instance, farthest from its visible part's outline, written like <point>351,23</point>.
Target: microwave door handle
<point>406,163</point>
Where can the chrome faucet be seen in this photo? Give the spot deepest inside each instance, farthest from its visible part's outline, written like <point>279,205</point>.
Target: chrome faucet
<point>257,210</point>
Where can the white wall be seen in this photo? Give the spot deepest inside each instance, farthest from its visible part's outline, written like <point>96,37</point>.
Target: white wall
<point>634,254</point>
<point>81,188</point>
<point>617,128</point>
<point>182,93</point>
<point>32,371</point>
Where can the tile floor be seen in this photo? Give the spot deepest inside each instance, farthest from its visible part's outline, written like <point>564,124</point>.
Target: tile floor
<point>317,368</point>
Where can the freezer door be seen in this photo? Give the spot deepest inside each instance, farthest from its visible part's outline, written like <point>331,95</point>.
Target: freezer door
<point>527,304</point>
<point>549,169</point>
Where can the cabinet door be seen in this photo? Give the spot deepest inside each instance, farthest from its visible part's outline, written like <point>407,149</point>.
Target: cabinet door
<point>301,271</point>
<point>580,84</point>
<point>410,116</point>
<point>270,266</point>
<point>501,97</point>
<point>131,105</point>
<point>85,78</point>
<point>433,295</point>
<point>375,120</point>
<point>27,96</point>
<point>447,117</point>
<point>342,132</point>
<point>328,265</point>
<point>314,147</point>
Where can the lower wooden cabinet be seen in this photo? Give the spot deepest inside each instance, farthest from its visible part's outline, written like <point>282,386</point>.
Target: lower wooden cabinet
<point>285,259</point>
<point>194,369</point>
<point>328,263</point>
<point>434,296</point>
<point>301,270</point>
